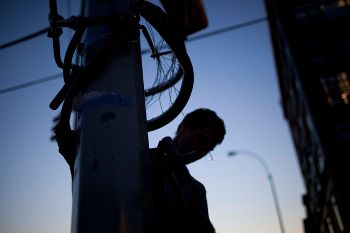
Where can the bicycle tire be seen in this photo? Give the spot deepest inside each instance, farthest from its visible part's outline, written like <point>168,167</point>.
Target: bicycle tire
<point>159,20</point>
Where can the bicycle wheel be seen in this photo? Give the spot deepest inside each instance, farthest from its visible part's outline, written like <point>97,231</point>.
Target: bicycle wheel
<point>172,65</point>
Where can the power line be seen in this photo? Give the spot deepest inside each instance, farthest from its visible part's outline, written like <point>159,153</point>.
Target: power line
<point>31,83</point>
<point>202,36</point>
<point>25,38</point>
<point>227,29</point>
<point>219,31</point>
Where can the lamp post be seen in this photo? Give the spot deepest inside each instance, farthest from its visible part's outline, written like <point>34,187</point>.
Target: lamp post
<point>269,176</point>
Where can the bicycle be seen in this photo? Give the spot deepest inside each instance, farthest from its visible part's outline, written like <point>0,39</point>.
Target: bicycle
<point>173,62</point>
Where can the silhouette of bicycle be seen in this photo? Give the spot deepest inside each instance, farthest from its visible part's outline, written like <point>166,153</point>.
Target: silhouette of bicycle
<point>173,72</point>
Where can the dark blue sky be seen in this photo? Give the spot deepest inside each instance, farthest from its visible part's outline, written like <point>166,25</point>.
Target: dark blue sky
<point>234,75</point>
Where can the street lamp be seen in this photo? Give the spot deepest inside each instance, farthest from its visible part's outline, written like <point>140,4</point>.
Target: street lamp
<point>269,176</point>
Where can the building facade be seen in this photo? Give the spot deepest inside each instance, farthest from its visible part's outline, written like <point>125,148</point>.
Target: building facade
<point>311,43</point>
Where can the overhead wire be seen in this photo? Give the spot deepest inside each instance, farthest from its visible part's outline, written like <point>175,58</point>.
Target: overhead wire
<point>35,34</point>
<point>31,83</point>
<point>144,51</point>
<point>227,29</point>
<point>24,38</point>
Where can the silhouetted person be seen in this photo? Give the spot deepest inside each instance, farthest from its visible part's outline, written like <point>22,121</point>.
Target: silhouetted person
<point>180,201</point>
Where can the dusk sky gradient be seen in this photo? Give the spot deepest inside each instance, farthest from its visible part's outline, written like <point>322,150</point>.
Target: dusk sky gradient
<point>235,75</point>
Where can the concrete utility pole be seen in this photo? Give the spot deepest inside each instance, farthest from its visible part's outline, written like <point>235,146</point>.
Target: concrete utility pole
<point>111,183</point>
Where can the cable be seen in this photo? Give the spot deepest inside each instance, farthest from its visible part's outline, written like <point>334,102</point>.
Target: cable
<point>227,29</point>
<point>25,38</point>
<point>219,31</point>
<point>31,83</point>
<point>144,51</point>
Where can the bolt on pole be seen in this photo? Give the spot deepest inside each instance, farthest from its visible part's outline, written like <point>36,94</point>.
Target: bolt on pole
<point>111,182</point>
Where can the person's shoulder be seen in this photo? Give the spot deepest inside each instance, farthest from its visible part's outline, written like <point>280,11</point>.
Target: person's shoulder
<point>198,185</point>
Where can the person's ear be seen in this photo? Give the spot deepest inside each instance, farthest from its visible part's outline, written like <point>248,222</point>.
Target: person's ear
<point>180,129</point>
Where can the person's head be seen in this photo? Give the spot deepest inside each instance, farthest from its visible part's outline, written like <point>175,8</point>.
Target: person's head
<point>200,131</point>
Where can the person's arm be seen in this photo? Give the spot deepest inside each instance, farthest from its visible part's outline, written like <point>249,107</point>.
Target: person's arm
<point>67,141</point>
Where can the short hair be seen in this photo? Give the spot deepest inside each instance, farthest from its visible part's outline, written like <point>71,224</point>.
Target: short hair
<point>204,118</point>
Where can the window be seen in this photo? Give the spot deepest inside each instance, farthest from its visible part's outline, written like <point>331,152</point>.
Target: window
<point>337,89</point>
